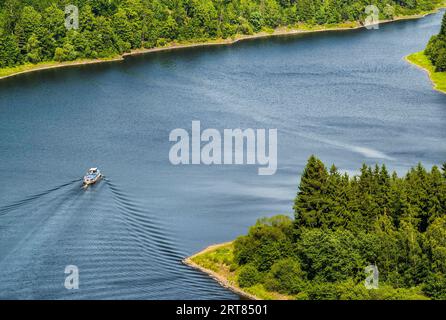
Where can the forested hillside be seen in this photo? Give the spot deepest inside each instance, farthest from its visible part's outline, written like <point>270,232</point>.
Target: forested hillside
<point>436,48</point>
<point>342,225</point>
<point>33,31</point>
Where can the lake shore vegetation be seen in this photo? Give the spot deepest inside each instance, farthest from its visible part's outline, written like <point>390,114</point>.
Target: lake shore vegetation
<point>33,34</point>
<point>342,225</point>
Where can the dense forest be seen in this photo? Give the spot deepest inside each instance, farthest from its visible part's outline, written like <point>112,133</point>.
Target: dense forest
<point>32,31</point>
<point>436,48</point>
<point>342,225</point>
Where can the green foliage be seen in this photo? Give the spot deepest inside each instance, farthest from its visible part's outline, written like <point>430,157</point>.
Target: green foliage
<point>435,286</point>
<point>311,202</point>
<point>343,224</point>
<point>9,51</point>
<point>436,242</point>
<point>66,53</point>
<point>286,276</point>
<point>248,276</point>
<point>215,259</point>
<point>34,31</point>
<point>349,290</point>
<point>33,49</point>
<point>268,240</point>
<point>329,256</point>
<point>436,48</point>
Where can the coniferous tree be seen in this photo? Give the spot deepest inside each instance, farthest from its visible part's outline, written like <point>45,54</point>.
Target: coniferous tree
<point>436,48</point>
<point>344,224</point>
<point>110,27</point>
<point>9,51</point>
<point>311,202</point>
<point>443,168</point>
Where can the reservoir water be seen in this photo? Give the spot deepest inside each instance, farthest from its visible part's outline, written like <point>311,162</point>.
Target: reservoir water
<point>347,97</point>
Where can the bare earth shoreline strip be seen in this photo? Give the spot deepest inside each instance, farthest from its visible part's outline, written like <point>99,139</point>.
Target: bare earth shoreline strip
<point>220,279</point>
<point>229,41</point>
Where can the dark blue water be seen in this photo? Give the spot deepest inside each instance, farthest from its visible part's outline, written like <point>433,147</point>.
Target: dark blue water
<point>348,97</point>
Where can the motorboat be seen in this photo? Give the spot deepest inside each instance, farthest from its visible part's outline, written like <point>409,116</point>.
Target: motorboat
<point>93,175</point>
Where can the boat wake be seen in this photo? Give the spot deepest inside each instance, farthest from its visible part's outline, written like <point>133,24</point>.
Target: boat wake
<point>28,200</point>
<point>149,231</point>
<point>123,250</point>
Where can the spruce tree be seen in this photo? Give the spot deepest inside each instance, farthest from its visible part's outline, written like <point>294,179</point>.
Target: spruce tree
<point>443,26</point>
<point>311,201</point>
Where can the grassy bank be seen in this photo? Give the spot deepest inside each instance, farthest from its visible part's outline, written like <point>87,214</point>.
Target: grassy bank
<point>29,67</point>
<point>217,262</point>
<point>438,78</point>
<point>298,29</point>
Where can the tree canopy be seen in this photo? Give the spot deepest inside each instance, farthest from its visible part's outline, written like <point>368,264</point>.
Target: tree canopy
<point>436,48</point>
<point>32,31</point>
<point>343,224</point>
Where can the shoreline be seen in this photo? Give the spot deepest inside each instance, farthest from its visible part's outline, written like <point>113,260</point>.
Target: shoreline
<point>430,73</point>
<point>56,65</point>
<point>284,31</point>
<point>222,281</point>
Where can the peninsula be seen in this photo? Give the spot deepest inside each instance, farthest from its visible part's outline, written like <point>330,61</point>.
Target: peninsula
<point>343,227</point>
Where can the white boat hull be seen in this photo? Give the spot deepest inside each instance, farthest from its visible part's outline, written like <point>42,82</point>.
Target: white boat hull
<point>92,181</point>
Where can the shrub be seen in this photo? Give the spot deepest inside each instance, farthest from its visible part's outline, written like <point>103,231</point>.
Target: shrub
<point>161,42</point>
<point>322,291</point>
<point>267,241</point>
<point>286,276</point>
<point>435,286</point>
<point>330,256</point>
<point>441,60</point>
<point>248,276</point>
